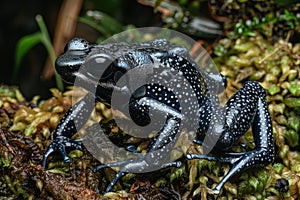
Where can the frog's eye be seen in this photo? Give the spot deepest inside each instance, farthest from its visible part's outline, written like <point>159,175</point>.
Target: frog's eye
<point>117,76</point>
<point>100,66</point>
<point>77,44</point>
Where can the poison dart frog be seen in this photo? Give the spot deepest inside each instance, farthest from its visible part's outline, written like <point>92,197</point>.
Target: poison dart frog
<point>160,65</point>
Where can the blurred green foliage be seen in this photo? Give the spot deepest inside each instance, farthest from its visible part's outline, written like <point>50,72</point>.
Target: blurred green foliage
<point>29,41</point>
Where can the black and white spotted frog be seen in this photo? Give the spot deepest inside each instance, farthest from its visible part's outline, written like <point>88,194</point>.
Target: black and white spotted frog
<point>84,62</point>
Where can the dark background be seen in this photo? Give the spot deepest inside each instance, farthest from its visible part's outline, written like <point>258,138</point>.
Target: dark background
<point>17,19</point>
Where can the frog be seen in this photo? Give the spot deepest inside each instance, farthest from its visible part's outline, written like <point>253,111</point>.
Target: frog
<point>100,67</point>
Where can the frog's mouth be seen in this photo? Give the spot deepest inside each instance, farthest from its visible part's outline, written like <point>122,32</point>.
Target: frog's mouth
<point>68,74</point>
<point>89,82</point>
<point>67,65</point>
<point>85,78</point>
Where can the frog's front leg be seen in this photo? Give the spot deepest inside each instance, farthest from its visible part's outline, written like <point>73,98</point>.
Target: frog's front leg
<point>158,151</point>
<point>247,107</point>
<point>72,121</point>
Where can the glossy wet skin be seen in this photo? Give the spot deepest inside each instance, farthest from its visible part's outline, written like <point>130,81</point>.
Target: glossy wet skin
<point>99,67</point>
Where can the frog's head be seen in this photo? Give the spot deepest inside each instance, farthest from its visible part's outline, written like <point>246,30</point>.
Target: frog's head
<point>100,65</point>
<point>82,60</point>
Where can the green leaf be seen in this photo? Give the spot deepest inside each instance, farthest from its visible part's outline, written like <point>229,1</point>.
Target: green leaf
<point>23,46</point>
<point>29,130</point>
<point>278,168</point>
<point>294,123</point>
<point>292,102</point>
<point>220,50</point>
<point>7,92</point>
<point>285,2</point>
<point>273,89</point>
<point>294,89</point>
<point>45,39</point>
<point>178,172</point>
<point>243,47</point>
<point>253,181</point>
<point>262,176</point>
<point>292,137</point>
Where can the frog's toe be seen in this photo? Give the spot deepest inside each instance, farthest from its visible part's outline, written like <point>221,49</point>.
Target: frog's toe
<point>132,165</point>
<point>47,153</point>
<point>59,145</point>
<point>216,191</point>
<point>119,174</point>
<point>113,164</point>
<point>117,177</point>
<point>176,164</point>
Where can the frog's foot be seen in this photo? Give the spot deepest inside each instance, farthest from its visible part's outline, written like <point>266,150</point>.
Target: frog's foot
<point>132,165</point>
<point>59,144</point>
<point>239,161</point>
<point>117,177</point>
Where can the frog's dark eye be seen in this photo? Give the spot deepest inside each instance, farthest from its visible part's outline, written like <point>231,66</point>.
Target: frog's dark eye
<point>100,66</point>
<point>117,76</point>
<point>77,44</point>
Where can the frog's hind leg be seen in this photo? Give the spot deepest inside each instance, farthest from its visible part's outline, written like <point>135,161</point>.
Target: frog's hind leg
<point>239,162</point>
<point>247,107</point>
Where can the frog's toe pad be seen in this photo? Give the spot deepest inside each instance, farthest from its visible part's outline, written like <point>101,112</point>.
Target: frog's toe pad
<point>59,145</point>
